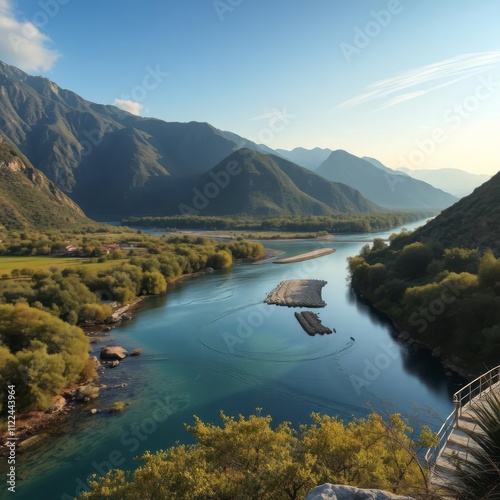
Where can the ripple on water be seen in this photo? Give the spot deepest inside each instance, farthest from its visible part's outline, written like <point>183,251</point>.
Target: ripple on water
<point>260,332</point>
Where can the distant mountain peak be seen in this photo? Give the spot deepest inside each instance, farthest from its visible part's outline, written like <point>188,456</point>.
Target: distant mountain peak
<point>380,184</point>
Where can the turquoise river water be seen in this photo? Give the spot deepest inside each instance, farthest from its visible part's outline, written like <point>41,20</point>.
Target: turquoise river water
<point>210,344</point>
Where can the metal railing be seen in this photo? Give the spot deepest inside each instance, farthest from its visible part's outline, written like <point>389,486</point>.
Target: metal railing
<point>467,394</point>
<point>433,454</point>
<point>462,399</point>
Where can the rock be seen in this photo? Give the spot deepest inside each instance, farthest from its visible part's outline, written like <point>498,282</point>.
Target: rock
<point>339,492</point>
<point>137,352</point>
<point>93,411</point>
<point>32,440</point>
<point>59,404</point>
<point>86,393</point>
<point>114,364</point>
<point>113,353</point>
<point>95,362</point>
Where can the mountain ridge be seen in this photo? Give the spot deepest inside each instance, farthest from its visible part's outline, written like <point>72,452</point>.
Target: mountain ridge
<point>392,191</point>
<point>28,199</point>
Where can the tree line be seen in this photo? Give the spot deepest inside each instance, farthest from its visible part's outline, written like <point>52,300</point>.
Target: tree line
<point>342,223</point>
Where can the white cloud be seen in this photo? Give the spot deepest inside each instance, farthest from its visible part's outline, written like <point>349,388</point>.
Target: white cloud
<point>131,106</point>
<point>22,44</point>
<point>393,90</point>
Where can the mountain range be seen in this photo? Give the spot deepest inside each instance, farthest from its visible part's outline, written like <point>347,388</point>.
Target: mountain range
<point>115,164</point>
<point>253,183</point>
<point>452,180</point>
<point>381,185</point>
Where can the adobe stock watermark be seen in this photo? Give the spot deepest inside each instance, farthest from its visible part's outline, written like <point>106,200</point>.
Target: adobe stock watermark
<point>247,323</point>
<point>420,319</point>
<point>48,9</point>
<point>220,181</point>
<point>363,36</point>
<point>455,116</point>
<point>130,439</point>
<point>277,121</point>
<point>374,367</point>
<point>152,79</point>
<point>223,7</point>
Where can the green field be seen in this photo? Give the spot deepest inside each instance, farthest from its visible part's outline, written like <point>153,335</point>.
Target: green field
<point>38,263</point>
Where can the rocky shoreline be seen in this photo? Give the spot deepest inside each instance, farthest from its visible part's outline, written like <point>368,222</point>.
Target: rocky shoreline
<point>34,426</point>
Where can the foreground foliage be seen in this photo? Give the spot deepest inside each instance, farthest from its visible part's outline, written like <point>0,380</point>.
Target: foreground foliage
<point>248,459</point>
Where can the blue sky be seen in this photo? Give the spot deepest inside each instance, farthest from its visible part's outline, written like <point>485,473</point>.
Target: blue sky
<point>409,82</point>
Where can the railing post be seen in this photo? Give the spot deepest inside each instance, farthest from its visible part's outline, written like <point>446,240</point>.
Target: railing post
<point>457,405</point>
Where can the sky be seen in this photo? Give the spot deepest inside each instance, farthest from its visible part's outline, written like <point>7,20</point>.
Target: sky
<point>413,83</point>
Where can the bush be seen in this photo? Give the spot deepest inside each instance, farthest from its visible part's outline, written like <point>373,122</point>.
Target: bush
<point>39,353</point>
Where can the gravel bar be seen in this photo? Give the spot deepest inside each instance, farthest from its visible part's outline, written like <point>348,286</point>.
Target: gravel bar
<point>297,293</point>
<point>311,323</point>
<point>306,256</point>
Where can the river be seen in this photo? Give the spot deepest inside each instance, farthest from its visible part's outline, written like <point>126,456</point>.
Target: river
<point>210,344</point>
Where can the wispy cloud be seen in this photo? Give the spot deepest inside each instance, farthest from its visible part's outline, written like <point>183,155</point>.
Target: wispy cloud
<point>417,82</point>
<point>22,44</point>
<point>131,106</point>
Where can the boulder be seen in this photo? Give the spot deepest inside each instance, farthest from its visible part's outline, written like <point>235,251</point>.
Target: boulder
<point>339,492</point>
<point>95,362</point>
<point>59,404</point>
<point>113,353</point>
<point>86,393</point>
<point>114,364</point>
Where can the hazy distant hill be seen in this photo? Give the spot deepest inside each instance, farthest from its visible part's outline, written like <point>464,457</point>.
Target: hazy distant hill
<point>381,166</point>
<point>473,222</point>
<point>454,181</point>
<point>267,185</point>
<point>309,158</point>
<point>389,190</point>
<point>28,199</point>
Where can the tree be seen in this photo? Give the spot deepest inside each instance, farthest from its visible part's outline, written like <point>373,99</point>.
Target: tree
<point>414,259</point>
<point>153,283</point>
<point>248,458</point>
<point>40,354</point>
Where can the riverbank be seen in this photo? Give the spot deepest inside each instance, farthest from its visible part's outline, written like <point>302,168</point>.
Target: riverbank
<point>449,363</point>
<point>34,426</point>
